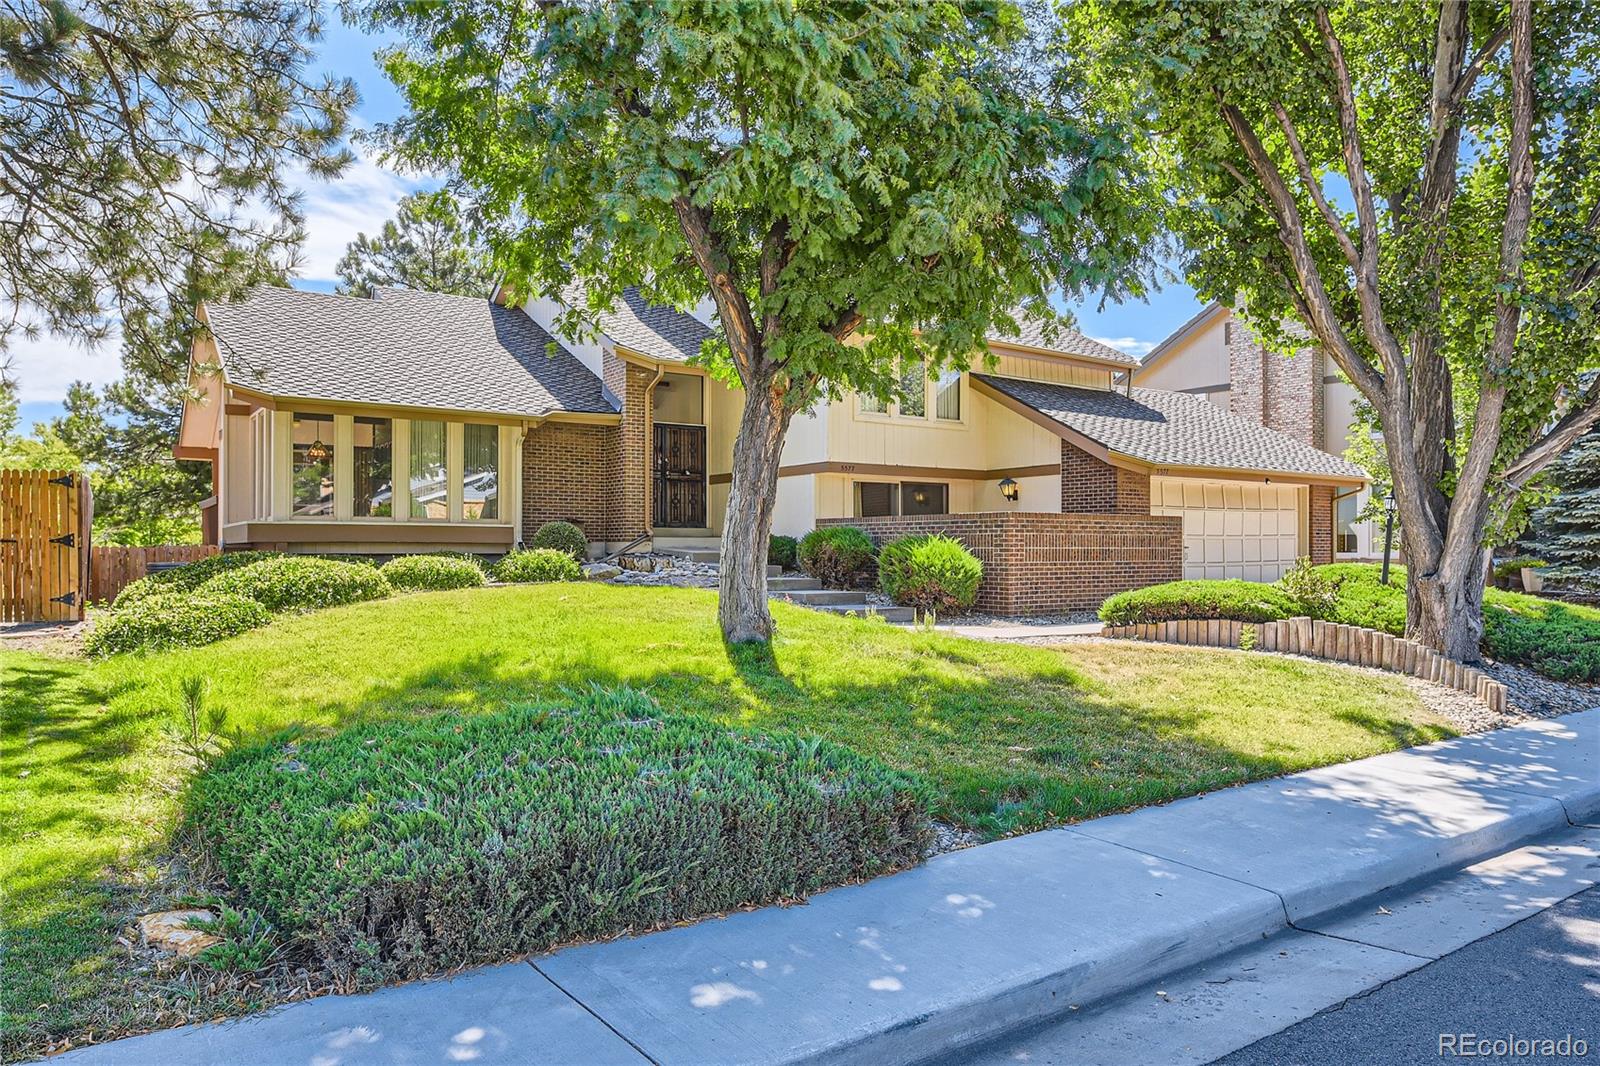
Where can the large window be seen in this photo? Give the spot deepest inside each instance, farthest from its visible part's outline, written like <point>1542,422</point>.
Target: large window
<point>947,403</point>
<point>885,499</point>
<point>430,491</point>
<point>1344,527</point>
<point>313,466</point>
<point>480,473</point>
<point>373,472</point>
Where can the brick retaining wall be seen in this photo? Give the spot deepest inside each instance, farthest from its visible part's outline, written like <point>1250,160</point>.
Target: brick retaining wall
<point>1038,563</point>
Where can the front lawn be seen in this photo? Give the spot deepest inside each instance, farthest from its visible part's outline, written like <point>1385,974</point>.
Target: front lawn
<point>1007,737</point>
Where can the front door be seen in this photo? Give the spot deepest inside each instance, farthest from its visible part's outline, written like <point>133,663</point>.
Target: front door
<point>680,465</point>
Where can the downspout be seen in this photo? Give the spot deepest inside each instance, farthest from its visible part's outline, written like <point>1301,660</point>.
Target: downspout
<point>517,442</point>
<point>649,444</point>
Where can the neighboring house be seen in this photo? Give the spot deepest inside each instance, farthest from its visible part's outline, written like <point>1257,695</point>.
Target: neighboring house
<point>411,421</point>
<point>1305,396</point>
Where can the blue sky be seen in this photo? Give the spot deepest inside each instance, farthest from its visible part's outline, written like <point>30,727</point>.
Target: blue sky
<point>366,195</point>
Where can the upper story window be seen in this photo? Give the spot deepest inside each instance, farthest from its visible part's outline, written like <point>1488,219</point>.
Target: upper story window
<point>480,472</point>
<point>372,472</point>
<point>430,489</point>
<point>912,396</point>
<point>312,437</point>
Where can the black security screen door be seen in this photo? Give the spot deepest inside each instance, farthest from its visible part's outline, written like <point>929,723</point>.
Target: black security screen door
<point>680,465</point>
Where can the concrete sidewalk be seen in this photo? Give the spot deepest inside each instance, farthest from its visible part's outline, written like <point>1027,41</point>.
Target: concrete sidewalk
<point>970,946</point>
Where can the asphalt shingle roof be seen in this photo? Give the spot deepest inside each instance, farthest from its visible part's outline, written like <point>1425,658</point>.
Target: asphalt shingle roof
<point>1068,341</point>
<point>400,347</point>
<point>654,330</point>
<point>1172,429</point>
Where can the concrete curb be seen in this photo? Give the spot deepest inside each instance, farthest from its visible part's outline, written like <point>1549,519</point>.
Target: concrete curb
<point>973,945</point>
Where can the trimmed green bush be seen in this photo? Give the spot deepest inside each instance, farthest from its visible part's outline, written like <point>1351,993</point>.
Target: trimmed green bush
<point>405,848</point>
<point>536,564</point>
<point>1360,599</point>
<point>783,551</point>
<point>837,556</point>
<point>298,582</point>
<point>1241,601</point>
<point>563,537</point>
<point>930,573</point>
<point>431,572</point>
<point>188,577</point>
<point>1507,567</point>
<point>174,620</point>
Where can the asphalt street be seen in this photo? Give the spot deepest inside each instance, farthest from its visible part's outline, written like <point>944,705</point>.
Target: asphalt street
<point>1534,981</point>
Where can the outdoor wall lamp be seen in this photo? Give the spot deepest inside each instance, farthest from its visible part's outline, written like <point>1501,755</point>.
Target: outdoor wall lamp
<point>1009,489</point>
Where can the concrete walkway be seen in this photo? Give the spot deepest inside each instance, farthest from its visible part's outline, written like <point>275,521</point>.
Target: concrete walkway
<point>1022,632</point>
<point>971,946</point>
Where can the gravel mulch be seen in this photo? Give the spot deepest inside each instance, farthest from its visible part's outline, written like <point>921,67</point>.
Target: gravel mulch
<point>58,637</point>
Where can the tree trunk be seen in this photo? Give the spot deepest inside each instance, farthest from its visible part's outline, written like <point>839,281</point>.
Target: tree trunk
<point>742,583</point>
<point>1444,610</point>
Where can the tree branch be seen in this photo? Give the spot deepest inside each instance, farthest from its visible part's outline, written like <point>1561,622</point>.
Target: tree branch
<point>1580,418</point>
<point>1314,187</point>
<point>732,307</point>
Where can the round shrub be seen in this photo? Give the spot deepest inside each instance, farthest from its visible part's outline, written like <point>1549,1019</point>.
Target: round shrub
<point>173,620</point>
<point>562,537</point>
<point>782,551</point>
<point>188,577</point>
<point>536,564</point>
<point>930,573</point>
<point>290,583</point>
<point>837,556</point>
<point>431,572</point>
<point>1241,601</point>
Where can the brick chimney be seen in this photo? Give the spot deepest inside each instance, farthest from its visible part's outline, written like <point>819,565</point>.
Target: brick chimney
<point>1280,392</point>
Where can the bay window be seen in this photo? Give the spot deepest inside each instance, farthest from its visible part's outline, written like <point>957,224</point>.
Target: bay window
<point>430,496</point>
<point>480,472</point>
<point>312,465</point>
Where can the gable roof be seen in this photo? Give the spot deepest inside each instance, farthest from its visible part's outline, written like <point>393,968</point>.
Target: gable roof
<point>400,348</point>
<point>1067,342</point>
<point>654,330</point>
<point>1174,340</point>
<point>1173,429</point>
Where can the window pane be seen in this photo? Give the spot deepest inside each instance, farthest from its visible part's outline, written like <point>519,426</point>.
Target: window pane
<point>374,468</point>
<point>924,498</point>
<point>948,405</point>
<point>480,474</point>
<point>313,465</point>
<point>1345,525</point>
<point>869,403</point>
<point>429,494</point>
<point>914,391</point>
<point>875,499</point>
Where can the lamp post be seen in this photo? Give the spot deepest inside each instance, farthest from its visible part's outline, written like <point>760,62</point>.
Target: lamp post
<point>1388,533</point>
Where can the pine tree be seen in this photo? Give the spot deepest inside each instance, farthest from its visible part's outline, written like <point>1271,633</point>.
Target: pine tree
<point>428,245</point>
<point>1566,532</point>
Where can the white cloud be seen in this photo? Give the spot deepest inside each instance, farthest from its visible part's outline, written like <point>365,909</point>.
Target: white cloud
<point>1128,345</point>
<point>358,201</point>
<point>45,366</point>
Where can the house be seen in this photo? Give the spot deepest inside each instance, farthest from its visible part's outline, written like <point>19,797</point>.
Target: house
<point>1305,396</point>
<point>409,421</point>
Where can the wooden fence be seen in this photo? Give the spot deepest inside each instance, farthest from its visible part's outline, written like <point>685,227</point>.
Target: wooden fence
<point>1325,640</point>
<point>113,567</point>
<point>44,539</point>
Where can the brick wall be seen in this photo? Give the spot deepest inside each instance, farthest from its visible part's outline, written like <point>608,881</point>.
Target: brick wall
<point>1281,392</point>
<point>567,475</point>
<point>1037,563</point>
<point>1321,518</point>
<point>1090,486</point>
<point>594,476</point>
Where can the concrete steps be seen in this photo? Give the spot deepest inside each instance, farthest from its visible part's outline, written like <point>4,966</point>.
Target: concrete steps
<point>800,590</point>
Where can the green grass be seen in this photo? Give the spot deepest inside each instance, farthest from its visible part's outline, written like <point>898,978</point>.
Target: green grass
<point>1009,737</point>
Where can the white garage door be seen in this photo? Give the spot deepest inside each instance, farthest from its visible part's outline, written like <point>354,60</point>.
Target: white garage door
<point>1231,529</point>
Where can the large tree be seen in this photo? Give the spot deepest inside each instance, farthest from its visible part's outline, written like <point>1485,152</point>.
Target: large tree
<point>137,135</point>
<point>1417,184</point>
<point>428,245</point>
<point>856,186</point>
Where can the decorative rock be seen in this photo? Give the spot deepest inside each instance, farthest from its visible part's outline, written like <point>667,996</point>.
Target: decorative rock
<point>169,931</point>
<point>600,571</point>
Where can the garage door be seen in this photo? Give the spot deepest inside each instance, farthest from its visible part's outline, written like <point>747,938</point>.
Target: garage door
<point>1232,529</point>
